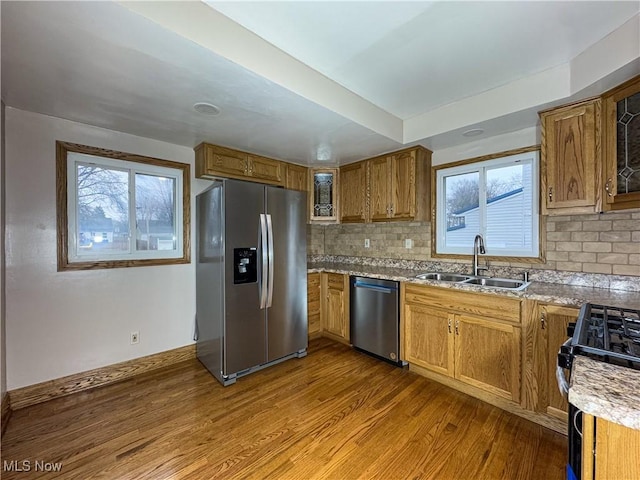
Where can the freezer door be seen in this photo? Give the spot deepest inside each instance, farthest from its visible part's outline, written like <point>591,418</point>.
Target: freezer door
<point>245,327</point>
<point>287,313</point>
<point>210,279</point>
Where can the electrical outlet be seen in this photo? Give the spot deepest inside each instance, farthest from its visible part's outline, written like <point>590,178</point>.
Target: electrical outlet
<point>408,243</point>
<point>367,243</point>
<point>135,338</point>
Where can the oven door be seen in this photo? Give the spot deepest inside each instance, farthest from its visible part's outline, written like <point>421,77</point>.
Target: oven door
<point>574,428</point>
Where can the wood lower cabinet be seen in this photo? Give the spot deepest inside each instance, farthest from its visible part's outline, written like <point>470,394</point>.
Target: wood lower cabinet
<point>571,158</point>
<point>553,321</point>
<point>473,338</point>
<point>353,193</point>
<point>487,355</point>
<point>428,339</point>
<point>335,306</point>
<point>313,305</point>
<point>609,450</point>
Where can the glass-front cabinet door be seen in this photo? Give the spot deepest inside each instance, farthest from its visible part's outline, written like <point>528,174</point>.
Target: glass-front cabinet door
<point>323,198</point>
<point>621,148</point>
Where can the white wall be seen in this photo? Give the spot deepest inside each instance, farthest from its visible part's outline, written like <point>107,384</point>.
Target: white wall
<point>526,137</point>
<point>62,323</point>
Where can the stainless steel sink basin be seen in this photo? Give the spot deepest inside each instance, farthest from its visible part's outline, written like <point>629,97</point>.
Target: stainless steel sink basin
<point>443,277</point>
<point>498,283</point>
<point>506,283</point>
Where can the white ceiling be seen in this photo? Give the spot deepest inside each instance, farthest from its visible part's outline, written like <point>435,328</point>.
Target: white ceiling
<point>301,80</point>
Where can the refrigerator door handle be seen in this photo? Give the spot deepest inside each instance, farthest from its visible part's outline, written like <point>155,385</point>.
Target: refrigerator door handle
<point>265,265</point>
<point>271,264</point>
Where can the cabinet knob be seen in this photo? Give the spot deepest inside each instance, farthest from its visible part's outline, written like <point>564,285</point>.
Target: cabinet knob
<point>607,187</point>
<point>457,327</point>
<point>550,194</point>
<point>449,325</point>
<point>543,321</point>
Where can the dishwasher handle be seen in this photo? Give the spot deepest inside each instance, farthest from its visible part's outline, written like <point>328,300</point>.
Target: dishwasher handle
<point>377,288</point>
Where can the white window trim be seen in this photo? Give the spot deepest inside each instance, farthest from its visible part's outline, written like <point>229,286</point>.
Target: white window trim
<point>441,221</point>
<point>74,159</point>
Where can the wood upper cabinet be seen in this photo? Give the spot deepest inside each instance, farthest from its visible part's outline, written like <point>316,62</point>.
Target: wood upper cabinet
<point>313,305</point>
<point>570,158</point>
<point>353,189</point>
<point>213,161</point>
<point>265,169</point>
<point>379,189</point>
<point>323,195</point>
<point>473,338</point>
<point>621,146</point>
<point>552,322</point>
<point>335,308</point>
<point>297,177</point>
<point>399,185</point>
<point>403,186</point>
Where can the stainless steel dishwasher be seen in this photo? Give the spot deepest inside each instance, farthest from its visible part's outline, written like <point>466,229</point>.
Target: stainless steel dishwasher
<point>375,317</point>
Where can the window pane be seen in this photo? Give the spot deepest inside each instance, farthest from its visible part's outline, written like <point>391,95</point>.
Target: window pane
<point>103,210</point>
<point>509,207</point>
<point>155,212</point>
<point>462,198</point>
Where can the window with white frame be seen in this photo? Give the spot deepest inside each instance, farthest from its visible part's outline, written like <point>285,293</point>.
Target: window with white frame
<point>117,209</point>
<point>496,198</point>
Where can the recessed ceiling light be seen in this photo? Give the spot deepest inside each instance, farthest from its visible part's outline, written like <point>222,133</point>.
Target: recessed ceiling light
<point>207,109</point>
<point>473,132</point>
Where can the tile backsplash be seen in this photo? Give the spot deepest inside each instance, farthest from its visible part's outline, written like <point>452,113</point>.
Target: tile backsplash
<point>606,243</point>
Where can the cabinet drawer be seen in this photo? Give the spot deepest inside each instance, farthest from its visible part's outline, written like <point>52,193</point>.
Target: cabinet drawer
<point>335,280</point>
<point>484,305</point>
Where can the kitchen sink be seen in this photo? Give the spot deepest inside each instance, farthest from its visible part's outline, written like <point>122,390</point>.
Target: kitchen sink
<point>506,283</point>
<point>498,283</point>
<point>443,277</point>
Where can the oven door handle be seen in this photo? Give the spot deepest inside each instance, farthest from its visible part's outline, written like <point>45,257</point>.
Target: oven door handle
<point>563,384</point>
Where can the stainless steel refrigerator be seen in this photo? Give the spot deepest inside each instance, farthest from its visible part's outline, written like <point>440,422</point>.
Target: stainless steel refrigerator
<point>251,277</point>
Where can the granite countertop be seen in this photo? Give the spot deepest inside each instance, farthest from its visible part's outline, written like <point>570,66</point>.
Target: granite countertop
<point>606,391</point>
<point>556,293</point>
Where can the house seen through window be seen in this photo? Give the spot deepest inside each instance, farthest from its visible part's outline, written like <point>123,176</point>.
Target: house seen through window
<point>496,198</point>
<point>122,209</point>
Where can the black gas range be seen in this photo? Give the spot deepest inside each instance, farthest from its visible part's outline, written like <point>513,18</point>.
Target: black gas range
<point>606,334</point>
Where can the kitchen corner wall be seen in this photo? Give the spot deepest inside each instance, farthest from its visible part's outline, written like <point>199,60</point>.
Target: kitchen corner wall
<point>607,243</point>
<point>61,323</point>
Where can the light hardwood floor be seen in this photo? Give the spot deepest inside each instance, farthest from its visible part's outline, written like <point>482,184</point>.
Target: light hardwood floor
<point>336,414</point>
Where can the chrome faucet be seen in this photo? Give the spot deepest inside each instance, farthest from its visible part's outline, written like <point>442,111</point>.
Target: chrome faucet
<point>478,248</point>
